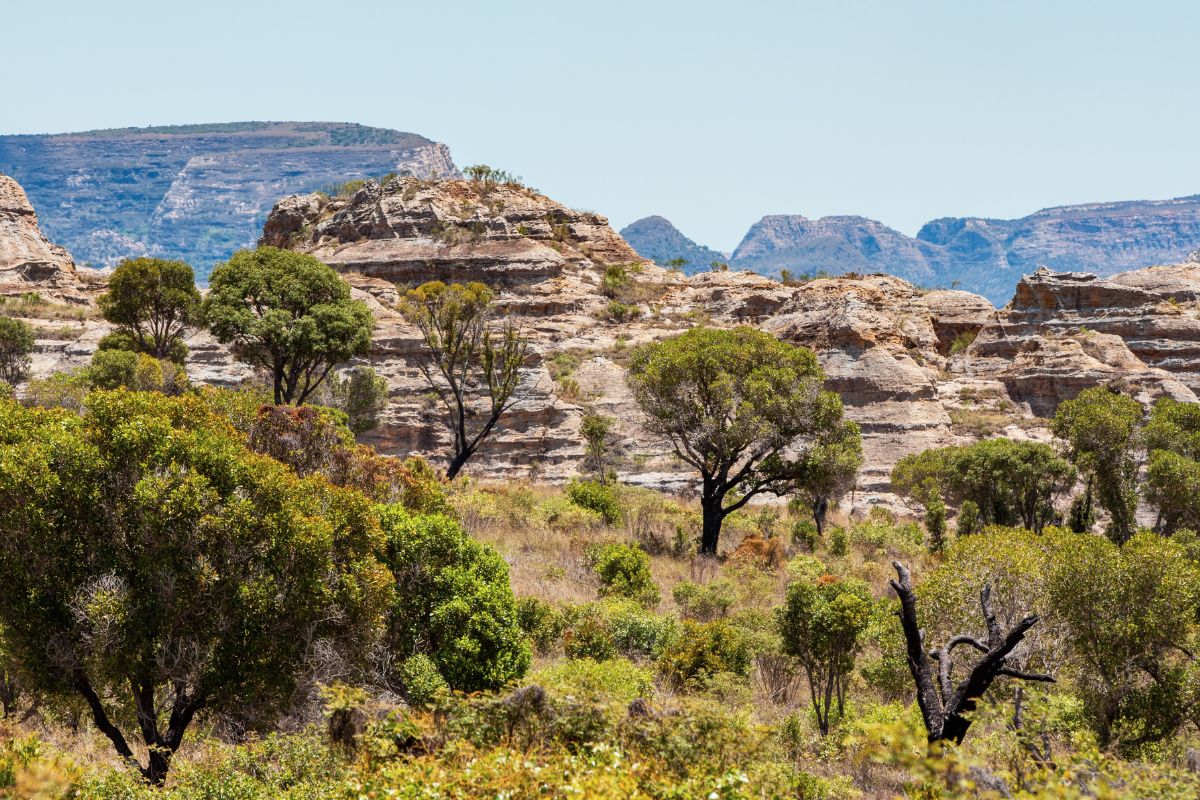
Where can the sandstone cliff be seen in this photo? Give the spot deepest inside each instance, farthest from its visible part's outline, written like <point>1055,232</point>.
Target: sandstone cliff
<point>28,261</point>
<point>899,356</point>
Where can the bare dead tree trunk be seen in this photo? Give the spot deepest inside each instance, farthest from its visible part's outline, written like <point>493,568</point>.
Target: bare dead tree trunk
<point>945,707</point>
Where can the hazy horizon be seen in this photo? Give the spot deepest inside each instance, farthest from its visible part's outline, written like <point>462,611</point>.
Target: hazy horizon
<point>709,116</point>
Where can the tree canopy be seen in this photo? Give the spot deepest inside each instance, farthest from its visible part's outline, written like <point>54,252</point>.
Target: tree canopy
<point>153,301</point>
<point>153,565</point>
<point>1100,426</point>
<point>475,370</point>
<point>739,406</point>
<point>288,313</point>
<point>16,343</point>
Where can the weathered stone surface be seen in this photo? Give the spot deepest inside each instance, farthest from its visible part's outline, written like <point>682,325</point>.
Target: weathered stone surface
<point>28,261</point>
<point>883,343</point>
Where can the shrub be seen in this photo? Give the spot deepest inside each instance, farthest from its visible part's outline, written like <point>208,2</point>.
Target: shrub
<point>704,603</point>
<point>838,544</point>
<point>116,369</point>
<point>16,343</point>
<point>622,312</point>
<point>702,650</point>
<point>420,679</point>
<point>60,390</point>
<point>540,621</point>
<point>616,680</point>
<point>359,393</point>
<point>624,571</point>
<point>599,496</point>
<point>453,601</point>
<point>612,626</point>
<point>805,534</point>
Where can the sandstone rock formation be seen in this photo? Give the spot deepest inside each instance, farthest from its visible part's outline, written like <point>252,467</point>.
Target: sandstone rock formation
<point>28,261</point>
<point>895,353</point>
<point>195,192</point>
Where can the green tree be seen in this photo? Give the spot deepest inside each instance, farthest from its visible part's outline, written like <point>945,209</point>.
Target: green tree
<point>464,357</point>
<point>154,302</point>
<point>737,405</point>
<point>830,468</point>
<point>360,393</point>
<point>1130,618</point>
<point>820,625</point>
<point>1010,483</point>
<point>1172,439</point>
<point>288,313</point>
<point>453,602</point>
<point>16,343</point>
<point>595,429</point>
<point>152,565</point>
<point>1101,428</point>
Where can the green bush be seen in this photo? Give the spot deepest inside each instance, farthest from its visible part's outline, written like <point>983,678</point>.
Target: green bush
<point>702,650</point>
<point>615,680</point>
<point>838,544</point>
<point>453,601</point>
<point>704,603</point>
<point>115,369</point>
<point>597,496</point>
<point>540,621</point>
<point>16,343</point>
<point>624,571</point>
<point>614,626</point>
<point>805,534</point>
<point>420,679</point>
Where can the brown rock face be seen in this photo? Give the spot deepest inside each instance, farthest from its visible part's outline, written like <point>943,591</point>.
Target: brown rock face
<point>28,261</point>
<point>884,344</point>
<point>1064,332</point>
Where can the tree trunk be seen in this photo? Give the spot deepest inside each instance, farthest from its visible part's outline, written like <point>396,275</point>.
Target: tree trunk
<point>457,463</point>
<point>712,516</point>
<point>819,508</point>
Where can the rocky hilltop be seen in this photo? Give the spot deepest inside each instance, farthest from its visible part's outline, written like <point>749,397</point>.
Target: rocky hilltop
<point>195,192</point>
<point>986,256</point>
<point>657,239</point>
<point>915,368</point>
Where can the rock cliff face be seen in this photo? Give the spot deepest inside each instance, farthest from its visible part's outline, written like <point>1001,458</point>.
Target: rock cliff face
<point>195,192</point>
<point>656,239</point>
<point>987,256</point>
<point>28,261</point>
<point>897,355</point>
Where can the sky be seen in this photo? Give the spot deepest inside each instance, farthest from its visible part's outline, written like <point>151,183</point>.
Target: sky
<point>711,114</point>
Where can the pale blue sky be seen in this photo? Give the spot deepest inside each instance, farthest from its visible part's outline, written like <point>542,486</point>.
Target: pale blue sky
<point>711,114</point>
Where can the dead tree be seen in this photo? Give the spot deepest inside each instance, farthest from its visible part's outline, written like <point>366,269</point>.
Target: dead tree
<point>946,708</point>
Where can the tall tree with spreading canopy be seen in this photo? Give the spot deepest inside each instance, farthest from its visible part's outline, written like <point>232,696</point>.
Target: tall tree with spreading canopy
<point>465,357</point>
<point>741,407</point>
<point>155,567</point>
<point>1172,438</point>
<point>153,302</point>
<point>288,313</point>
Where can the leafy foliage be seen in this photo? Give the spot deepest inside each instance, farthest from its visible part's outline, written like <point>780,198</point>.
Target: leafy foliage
<point>624,571</point>
<point>452,602</point>
<point>462,352</point>
<point>1101,427</point>
<point>733,404</point>
<point>153,302</point>
<point>598,496</point>
<point>821,624</point>
<point>16,343</point>
<point>289,314</point>
<point>153,551</point>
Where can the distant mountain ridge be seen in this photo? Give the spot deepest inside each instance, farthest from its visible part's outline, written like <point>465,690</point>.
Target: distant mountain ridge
<point>657,239</point>
<point>195,192</point>
<point>982,255</point>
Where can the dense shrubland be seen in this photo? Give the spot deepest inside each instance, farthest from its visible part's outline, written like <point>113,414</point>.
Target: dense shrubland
<point>216,593</point>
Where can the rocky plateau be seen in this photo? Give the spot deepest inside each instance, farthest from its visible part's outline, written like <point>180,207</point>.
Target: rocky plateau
<point>915,368</point>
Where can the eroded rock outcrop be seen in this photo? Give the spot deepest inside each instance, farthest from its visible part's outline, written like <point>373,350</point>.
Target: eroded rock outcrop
<point>28,260</point>
<point>894,353</point>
